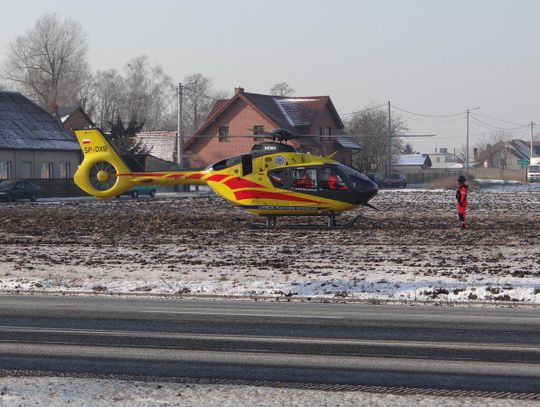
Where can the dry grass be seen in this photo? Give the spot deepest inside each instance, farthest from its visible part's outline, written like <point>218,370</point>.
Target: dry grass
<point>447,183</point>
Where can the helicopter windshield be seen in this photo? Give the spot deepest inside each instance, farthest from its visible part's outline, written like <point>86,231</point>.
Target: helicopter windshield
<point>228,162</point>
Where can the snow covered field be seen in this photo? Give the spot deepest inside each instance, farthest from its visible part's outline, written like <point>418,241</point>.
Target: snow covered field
<point>410,250</point>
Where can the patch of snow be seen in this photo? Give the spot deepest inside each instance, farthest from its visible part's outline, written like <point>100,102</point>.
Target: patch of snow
<point>59,392</point>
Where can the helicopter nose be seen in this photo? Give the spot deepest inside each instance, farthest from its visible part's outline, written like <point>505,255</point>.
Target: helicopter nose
<point>367,190</point>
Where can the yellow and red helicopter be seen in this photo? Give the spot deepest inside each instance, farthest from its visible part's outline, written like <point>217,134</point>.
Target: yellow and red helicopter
<point>272,180</point>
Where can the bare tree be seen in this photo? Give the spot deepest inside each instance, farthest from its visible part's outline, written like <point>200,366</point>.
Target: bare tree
<point>78,89</point>
<point>281,89</point>
<point>198,100</point>
<point>137,88</point>
<point>162,99</point>
<point>42,58</point>
<point>144,92</point>
<point>109,96</point>
<point>370,129</point>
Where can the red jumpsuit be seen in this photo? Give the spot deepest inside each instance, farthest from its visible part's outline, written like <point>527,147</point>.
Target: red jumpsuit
<point>461,196</point>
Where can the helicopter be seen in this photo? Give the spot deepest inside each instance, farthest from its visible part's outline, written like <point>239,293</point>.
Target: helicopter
<point>272,180</point>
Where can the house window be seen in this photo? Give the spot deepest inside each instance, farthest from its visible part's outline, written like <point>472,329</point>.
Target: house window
<point>26,169</point>
<point>46,170</point>
<point>223,134</point>
<point>327,131</point>
<point>318,132</point>
<point>5,169</point>
<point>64,170</point>
<point>258,131</point>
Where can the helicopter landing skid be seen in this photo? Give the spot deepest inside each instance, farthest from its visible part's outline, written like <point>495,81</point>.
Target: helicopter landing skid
<point>271,223</point>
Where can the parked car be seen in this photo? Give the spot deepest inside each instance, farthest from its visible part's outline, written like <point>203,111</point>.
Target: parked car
<point>376,178</point>
<point>140,190</point>
<point>13,190</point>
<point>395,180</point>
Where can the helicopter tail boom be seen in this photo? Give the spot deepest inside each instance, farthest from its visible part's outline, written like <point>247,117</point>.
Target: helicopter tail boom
<point>104,174</point>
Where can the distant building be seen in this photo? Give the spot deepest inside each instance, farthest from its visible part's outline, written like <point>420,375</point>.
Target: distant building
<point>412,162</point>
<point>233,125</point>
<point>444,159</point>
<point>74,117</point>
<point>505,154</point>
<point>33,144</point>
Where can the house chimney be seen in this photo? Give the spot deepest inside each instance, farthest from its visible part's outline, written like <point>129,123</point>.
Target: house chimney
<point>475,155</point>
<point>238,90</point>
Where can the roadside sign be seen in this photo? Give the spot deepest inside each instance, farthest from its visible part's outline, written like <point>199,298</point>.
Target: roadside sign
<point>523,162</point>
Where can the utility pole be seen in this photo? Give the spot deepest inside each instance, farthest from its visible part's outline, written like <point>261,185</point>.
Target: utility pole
<point>532,140</point>
<point>179,136</point>
<point>389,166</point>
<point>467,148</point>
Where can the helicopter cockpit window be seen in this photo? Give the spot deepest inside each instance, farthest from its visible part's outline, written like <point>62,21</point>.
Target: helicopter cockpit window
<point>304,178</point>
<point>331,179</point>
<point>278,178</point>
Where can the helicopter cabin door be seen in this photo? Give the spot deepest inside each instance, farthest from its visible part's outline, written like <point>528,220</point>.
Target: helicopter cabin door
<point>305,180</point>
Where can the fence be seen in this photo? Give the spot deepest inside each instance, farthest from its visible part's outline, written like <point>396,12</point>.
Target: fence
<point>52,187</point>
<point>431,174</point>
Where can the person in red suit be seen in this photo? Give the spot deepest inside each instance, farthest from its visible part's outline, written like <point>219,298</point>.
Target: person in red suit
<point>461,197</point>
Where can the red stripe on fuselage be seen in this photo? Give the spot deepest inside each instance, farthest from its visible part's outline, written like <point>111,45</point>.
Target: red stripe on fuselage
<point>270,195</point>
<point>216,177</point>
<point>142,174</point>
<point>237,183</point>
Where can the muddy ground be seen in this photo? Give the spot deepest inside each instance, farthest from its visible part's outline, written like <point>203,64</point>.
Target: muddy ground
<point>410,249</point>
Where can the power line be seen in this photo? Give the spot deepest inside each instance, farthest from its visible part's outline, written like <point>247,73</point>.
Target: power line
<point>363,110</point>
<point>496,127</point>
<point>437,121</point>
<point>427,115</point>
<point>500,120</point>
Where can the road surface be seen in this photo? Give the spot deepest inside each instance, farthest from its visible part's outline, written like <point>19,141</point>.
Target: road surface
<point>354,344</point>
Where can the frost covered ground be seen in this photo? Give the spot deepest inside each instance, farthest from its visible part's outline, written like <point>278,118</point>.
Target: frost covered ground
<point>410,250</point>
<point>56,392</point>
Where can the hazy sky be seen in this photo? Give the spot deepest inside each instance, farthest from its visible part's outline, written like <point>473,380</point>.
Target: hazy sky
<point>428,57</point>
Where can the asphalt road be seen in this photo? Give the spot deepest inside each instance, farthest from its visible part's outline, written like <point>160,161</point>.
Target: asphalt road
<point>375,345</point>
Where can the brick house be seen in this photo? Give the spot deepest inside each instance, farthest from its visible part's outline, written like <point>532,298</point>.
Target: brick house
<point>505,154</point>
<point>232,124</point>
<point>74,117</point>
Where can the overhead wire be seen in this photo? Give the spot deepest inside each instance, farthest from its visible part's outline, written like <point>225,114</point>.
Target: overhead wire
<point>497,127</point>
<point>426,115</point>
<point>500,120</point>
<point>363,110</point>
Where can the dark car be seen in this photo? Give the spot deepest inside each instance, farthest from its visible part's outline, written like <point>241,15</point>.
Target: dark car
<point>140,190</point>
<point>395,180</point>
<point>376,178</point>
<point>13,190</point>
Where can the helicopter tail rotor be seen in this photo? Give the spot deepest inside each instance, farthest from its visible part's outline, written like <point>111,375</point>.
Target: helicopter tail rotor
<point>102,172</point>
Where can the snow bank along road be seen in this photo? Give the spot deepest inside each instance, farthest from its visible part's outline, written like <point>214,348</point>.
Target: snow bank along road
<point>410,250</point>
<point>352,344</point>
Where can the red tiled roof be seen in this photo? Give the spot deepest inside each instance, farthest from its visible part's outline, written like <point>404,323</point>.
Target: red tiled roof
<point>160,144</point>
